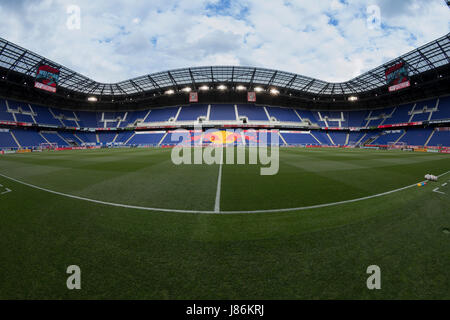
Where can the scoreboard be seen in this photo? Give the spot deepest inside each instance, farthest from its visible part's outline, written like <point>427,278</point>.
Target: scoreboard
<point>397,76</point>
<point>46,78</point>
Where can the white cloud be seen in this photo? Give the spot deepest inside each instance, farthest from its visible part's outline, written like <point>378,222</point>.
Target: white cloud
<point>329,40</point>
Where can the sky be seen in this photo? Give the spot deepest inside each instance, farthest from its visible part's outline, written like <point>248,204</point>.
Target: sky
<point>332,40</point>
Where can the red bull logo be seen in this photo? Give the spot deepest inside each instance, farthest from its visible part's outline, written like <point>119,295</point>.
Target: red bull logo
<point>227,147</point>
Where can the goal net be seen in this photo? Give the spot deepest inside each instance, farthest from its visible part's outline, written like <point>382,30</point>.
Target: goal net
<point>396,145</point>
<point>48,146</point>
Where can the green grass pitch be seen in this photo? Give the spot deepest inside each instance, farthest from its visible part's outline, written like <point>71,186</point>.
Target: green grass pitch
<point>129,253</point>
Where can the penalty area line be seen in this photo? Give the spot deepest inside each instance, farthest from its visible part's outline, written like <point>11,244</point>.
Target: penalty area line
<point>210,212</point>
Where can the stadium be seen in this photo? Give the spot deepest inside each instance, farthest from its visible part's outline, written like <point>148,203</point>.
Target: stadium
<point>87,178</point>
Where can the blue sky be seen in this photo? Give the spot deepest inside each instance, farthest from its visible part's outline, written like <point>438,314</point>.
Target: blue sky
<point>333,40</point>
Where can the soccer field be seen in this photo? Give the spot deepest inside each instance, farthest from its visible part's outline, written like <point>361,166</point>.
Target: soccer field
<point>141,227</point>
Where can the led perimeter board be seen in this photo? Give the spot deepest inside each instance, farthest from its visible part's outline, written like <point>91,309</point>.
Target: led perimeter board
<point>397,76</point>
<point>46,78</point>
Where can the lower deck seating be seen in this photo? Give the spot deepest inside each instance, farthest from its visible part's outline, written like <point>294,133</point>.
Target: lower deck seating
<point>416,137</point>
<point>54,137</point>
<point>146,138</point>
<point>440,138</point>
<point>6,140</point>
<point>28,138</point>
<point>388,137</point>
<point>299,138</point>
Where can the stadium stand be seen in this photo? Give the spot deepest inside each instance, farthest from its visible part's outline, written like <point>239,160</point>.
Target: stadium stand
<point>6,140</point>
<point>54,137</point>
<point>416,137</point>
<point>28,138</point>
<point>443,111</point>
<point>192,112</point>
<point>440,138</point>
<point>339,138</point>
<point>252,112</point>
<point>87,137</point>
<point>222,112</point>
<point>283,114</point>
<point>299,138</point>
<point>401,114</point>
<point>161,115</point>
<point>426,110</point>
<point>70,138</point>
<point>106,137</point>
<point>389,136</point>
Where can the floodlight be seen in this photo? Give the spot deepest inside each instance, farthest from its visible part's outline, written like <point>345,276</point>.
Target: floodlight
<point>353,98</point>
<point>274,91</point>
<point>170,91</point>
<point>241,88</point>
<point>222,87</point>
<point>92,99</point>
<point>259,89</point>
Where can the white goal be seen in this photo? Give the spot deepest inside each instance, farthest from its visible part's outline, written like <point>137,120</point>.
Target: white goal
<point>48,146</point>
<point>396,145</point>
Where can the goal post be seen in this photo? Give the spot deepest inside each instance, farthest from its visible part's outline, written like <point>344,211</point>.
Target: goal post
<point>48,146</point>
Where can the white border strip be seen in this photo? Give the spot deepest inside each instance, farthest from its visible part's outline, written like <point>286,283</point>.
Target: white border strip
<point>209,212</point>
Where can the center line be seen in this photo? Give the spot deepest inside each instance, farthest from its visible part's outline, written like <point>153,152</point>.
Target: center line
<point>219,183</point>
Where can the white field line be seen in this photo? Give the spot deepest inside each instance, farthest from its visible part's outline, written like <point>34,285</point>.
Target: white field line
<point>209,212</point>
<point>219,185</point>
<point>6,191</point>
<point>436,190</point>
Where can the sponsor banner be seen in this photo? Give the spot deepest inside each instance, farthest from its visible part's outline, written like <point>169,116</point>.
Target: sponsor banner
<point>420,150</point>
<point>399,86</point>
<point>4,130</point>
<point>23,151</point>
<point>445,151</point>
<point>101,129</point>
<point>14,123</point>
<point>193,97</point>
<point>439,121</point>
<point>251,96</point>
<point>44,87</point>
<point>9,151</point>
<point>433,150</point>
<point>406,124</point>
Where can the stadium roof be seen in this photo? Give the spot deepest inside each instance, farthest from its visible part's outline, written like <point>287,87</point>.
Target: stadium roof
<point>428,57</point>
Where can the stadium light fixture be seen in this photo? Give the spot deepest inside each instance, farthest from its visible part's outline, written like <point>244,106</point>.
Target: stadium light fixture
<point>353,98</point>
<point>187,89</point>
<point>204,88</point>
<point>241,88</point>
<point>170,91</point>
<point>222,87</point>
<point>274,92</point>
<point>92,99</point>
<point>259,89</point>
